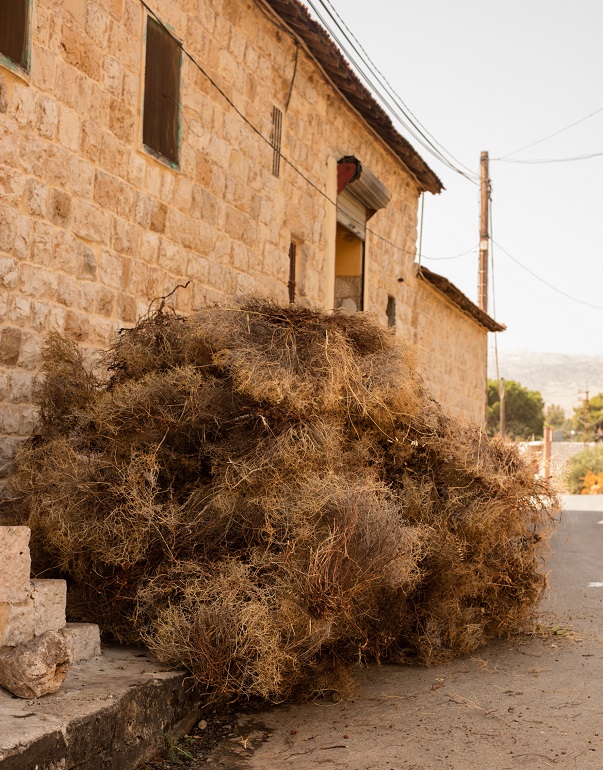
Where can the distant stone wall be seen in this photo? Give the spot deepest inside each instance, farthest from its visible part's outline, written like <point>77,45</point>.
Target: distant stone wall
<point>452,351</point>
<point>93,227</point>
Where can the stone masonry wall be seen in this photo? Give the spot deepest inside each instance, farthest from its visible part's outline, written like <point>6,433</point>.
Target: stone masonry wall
<point>452,350</point>
<point>93,228</point>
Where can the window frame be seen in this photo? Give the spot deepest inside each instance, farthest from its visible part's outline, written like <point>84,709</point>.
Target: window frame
<point>22,69</point>
<point>147,149</point>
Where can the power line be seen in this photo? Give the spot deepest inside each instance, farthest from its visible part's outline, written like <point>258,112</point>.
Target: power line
<point>363,55</point>
<point>267,140</point>
<point>549,136</point>
<point>455,256</point>
<point>493,287</point>
<point>545,282</point>
<point>551,160</point>
<point>398,109</point>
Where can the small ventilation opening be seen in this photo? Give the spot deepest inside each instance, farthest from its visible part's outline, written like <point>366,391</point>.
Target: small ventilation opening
<point>391,311</point>
<point>292,270</point>
<point>277,133</point>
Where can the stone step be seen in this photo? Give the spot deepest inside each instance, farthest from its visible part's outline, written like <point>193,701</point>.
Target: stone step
<point>49,601</point>
<point>113,712</point>
<point>83,639</point>
<point>42,610</point>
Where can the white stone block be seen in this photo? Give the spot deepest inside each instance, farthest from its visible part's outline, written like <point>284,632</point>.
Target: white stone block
<point>83,640</point>
<point>17,623</point>
<point>49,599</point>
<point>15,564</point>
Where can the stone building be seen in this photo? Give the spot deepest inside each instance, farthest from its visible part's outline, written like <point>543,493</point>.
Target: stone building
<point>222,142</point>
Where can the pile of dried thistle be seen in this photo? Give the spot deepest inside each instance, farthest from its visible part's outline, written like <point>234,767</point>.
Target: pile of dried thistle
<point>267,494</point>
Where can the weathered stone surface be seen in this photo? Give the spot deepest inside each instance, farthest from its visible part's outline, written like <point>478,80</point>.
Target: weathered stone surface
<point>49,600</point>
<point>73,166</point>
<point>17,624</point>
<point>37,667</point>
<point>15,564</point>
<point>83,639</point>
<point>111,713</point>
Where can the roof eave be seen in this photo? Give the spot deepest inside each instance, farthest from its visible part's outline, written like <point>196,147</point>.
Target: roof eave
<point>326,53</point>
<point>456,296</point>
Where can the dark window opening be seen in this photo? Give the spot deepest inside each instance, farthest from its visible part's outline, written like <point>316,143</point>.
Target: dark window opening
<point>349,270</point>
<point>292,270</point>
<point>161,120</point>
<point>359,196</point>
<point>13,30</point>
<point>277,132</point>
<point>391,311</point>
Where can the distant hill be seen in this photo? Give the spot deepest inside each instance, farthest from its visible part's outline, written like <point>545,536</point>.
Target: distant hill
<point>558,376</point>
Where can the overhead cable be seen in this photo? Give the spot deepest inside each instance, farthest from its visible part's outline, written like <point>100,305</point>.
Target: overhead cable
<point>545,282</point>
<point>397,110</point>
<point>549,136</point>
<point>455,256</point>
<point>362,54</point>
<point>532,161</point>
<point>268,140</point>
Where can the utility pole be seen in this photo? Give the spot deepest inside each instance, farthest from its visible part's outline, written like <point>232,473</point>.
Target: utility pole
<point>484,238</point>
<point>484,234</point>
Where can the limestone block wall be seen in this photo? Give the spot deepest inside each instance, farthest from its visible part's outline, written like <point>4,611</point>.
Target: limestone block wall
<point>452,351</point>
<point>93,228</point>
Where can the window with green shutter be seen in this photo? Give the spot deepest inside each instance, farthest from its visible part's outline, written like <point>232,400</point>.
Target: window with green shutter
<point>14,29</point>
<point>161,106</point>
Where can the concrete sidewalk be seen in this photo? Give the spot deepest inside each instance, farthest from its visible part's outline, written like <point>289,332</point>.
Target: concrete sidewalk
<point>582,502</point>
<point>112,712</point>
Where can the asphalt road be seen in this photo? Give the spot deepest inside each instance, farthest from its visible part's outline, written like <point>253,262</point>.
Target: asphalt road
<point>535,703</point>
<point>577,562</point>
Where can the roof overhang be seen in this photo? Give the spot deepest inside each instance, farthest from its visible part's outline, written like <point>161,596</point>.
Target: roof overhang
<point>456,296</point>
<point>328,56</point>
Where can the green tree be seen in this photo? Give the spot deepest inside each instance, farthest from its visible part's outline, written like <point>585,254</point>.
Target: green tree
<point>524,411</point>
<point>554,417</point>
<point>588,422</point>
<point>590,459</point>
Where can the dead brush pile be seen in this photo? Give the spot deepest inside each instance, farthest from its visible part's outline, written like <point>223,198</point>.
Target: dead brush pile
<point>266,494</point>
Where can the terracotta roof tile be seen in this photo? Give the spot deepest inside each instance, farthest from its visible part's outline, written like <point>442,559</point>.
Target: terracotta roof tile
<point>329,57</point>
<point>448,289</point>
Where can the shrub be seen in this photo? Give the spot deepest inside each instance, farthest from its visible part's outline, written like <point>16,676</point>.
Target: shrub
<point>590,459</point>
<point>268,494</point>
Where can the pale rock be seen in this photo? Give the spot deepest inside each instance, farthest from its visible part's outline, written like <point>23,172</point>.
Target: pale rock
<point>15,564</point>
<point>49,599</point>
<point>37,667</point>
<point>83,640</point>
<point>17,624</point>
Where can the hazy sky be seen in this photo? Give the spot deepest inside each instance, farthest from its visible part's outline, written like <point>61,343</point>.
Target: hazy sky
<point>496,76</point>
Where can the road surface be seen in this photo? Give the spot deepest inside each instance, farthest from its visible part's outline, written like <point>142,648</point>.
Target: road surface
<point>532,704</point>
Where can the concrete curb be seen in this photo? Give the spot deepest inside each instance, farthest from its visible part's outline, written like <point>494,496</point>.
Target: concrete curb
<point>112,713</point>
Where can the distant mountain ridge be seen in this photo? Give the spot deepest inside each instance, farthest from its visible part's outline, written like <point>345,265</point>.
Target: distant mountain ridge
<point>558,376</point>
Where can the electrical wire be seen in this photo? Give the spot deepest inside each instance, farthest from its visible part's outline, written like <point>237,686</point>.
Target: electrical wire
<point>394,109</point>
<point>550,160</point>
<point>549,136</point>
<point>434,145</point>
<point>455,256</point>
<point>491,237</point>
<point>546,283</point>
<point>267,140</point>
